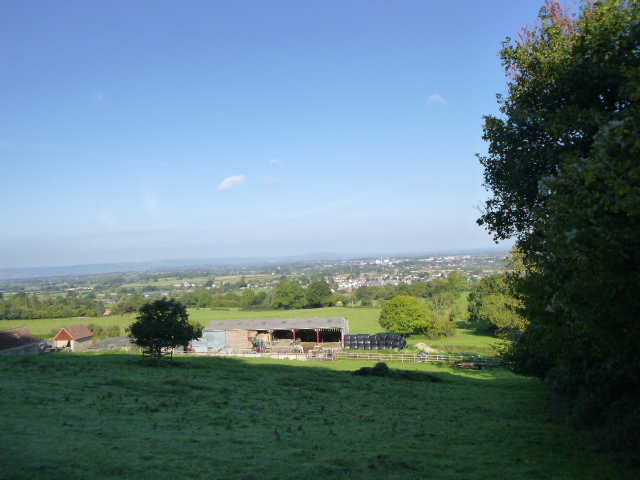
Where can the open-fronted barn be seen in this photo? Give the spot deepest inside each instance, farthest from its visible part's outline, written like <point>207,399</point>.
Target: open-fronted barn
<point>244,334</point>
<point>77,338</point>
<point>18,340</point>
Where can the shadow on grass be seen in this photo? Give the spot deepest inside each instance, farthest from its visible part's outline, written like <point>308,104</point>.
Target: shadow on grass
<point>335,424</point>
<point>477,328</point>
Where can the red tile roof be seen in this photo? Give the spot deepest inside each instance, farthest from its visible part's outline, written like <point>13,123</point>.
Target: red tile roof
<point>75,332</point>
<point>16,337</point>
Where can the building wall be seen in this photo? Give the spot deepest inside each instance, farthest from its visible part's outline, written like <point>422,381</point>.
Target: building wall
<point>81,345</point>
<point>210,341</point>
<point>238,339</point>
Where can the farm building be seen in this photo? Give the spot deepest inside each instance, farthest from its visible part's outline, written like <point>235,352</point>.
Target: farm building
<point>77,338</point>
<point>18,340</point>
<point>122,343</point>
<point>269,332</point>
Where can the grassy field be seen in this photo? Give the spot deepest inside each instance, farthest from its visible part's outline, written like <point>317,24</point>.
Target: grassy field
<point>171,281</point>
<point>469,337</point>
<point>105,416</point>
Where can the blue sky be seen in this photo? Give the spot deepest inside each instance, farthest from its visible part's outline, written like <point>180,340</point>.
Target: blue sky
<point>147,130</point>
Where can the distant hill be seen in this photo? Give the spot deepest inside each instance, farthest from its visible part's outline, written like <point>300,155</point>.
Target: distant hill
<point>105,268</point>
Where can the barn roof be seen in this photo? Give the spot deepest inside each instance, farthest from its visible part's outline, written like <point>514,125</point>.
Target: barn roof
<point>76,332</point>
<point>122,341</point>
<point>16,337</point>
<point>278,324</point>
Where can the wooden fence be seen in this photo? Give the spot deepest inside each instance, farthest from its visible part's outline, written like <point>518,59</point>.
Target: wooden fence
<point>331,354</point>
<point>404,357</point>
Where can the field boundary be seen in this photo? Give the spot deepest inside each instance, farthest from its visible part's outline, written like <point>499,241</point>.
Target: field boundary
<point>473,361</point>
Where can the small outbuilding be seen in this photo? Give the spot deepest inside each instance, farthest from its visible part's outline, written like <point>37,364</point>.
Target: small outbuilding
<point>18,340</point>
<point>246,334</point>
<point>77,338</point>
<point>122,343</point>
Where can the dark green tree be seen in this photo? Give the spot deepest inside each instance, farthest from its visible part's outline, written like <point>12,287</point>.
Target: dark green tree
<point>493,301</point>
<point>162,324</point>
<point>248,298</point>
<point>318,294</point>
<point>289,294</point>
<point>563,169</point>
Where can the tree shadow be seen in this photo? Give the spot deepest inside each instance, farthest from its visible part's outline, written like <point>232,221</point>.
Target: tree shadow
<point>478,329</point>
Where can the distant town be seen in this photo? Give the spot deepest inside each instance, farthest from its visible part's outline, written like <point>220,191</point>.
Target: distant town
<point>343,275</point>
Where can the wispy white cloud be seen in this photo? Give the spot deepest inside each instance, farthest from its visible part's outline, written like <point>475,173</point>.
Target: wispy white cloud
<point>232,182</point>
<point>99,96</point>
<point>277,161</point>
<point>437,98</point>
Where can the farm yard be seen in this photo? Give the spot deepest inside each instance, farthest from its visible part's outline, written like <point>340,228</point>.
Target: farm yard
<point>115,416</point>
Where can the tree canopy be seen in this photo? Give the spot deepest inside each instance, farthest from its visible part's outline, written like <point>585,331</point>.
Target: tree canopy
<point>405,315</point>
<point>318,294</point>
<point>162,324</point>
<point>563,168</point>
<point>493,301</point>
<point>289,294</point>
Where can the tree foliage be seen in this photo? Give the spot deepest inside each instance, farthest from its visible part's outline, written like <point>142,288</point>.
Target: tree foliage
<point>289,294</point>
<point>162,324</point>
<point>493,301</point>
<point>23,306</point>
<point>405,315</point>
<point>564,172</point>
<point>318,294</point>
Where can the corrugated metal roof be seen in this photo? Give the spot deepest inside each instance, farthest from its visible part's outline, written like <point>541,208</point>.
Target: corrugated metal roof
<point>279,324</point>
<point>16,337</point>
<point>122,341</point>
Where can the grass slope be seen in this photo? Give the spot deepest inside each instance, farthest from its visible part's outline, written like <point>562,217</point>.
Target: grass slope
<point>112,416</point>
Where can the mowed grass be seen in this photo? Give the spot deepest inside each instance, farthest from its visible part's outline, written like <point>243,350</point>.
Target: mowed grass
<point>105,416</point>
<point>475,338</point>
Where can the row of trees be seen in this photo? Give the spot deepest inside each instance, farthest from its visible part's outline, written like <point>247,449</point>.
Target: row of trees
<point>563,169</point>
<point>289,294</point>
<point>24,306</point>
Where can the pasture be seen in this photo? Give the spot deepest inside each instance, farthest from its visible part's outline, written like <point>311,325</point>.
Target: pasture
<point>473,338</point>
<point>104,416</point>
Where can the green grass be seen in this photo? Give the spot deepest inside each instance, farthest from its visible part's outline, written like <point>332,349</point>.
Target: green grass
<point>469,337</point>
<point>91,416</point>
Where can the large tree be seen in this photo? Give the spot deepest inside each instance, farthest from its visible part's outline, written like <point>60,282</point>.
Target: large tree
<point>162,324</point>
<point>564,172</point>
<point>405,315</point>
<point>289,294</point>
<point>318,294</point>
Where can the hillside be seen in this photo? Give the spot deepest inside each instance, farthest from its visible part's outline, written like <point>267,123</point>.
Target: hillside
<point>113,416</point>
